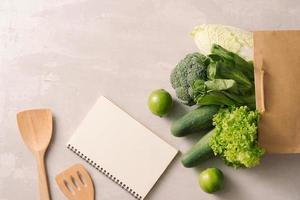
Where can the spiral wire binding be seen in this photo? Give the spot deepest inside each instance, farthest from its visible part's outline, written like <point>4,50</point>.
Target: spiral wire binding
<point>105,172</point>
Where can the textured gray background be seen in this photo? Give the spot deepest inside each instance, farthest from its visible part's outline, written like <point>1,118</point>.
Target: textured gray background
<point>63,54</point>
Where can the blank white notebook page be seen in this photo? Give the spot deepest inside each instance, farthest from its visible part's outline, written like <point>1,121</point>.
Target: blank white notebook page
<point>122,148</point>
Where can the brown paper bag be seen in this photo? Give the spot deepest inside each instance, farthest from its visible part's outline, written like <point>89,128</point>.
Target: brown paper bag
<point>277,88</point>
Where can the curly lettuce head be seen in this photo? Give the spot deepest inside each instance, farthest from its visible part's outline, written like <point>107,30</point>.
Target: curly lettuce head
<point>235,137</point>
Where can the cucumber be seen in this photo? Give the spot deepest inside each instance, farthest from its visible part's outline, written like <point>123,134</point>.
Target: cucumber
<point>200,152</point>
<point>194,121</point>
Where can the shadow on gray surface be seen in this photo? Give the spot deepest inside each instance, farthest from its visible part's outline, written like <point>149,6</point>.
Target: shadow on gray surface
<point>166,172</point>
<point>276,172</point>
<point>178,110</point>
<point>277,167</point>
<point>51,144</point>
<point>230,187</point>
<point>53,137</point>
<point>213,162</point>
<point>195,137</point>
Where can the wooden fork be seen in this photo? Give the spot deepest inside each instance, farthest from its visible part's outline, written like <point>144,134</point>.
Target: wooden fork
<point>76,183</point>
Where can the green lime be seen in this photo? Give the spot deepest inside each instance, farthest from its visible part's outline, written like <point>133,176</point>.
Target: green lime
<point>160,102</point>
<point>211,180</point>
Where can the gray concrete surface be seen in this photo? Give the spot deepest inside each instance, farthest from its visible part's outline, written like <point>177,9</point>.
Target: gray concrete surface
<point>63,54</point>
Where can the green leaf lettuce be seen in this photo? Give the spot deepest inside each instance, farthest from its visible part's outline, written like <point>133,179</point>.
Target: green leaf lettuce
<point>235,137</point>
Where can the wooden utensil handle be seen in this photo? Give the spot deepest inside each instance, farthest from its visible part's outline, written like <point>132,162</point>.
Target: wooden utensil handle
<point>43,181</point>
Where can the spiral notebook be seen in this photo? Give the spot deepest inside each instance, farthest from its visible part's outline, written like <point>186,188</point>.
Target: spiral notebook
<point>121,148</point>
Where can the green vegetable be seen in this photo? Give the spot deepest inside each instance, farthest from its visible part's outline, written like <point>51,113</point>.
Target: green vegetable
<point>200,152</point>
<point>226,70</point>
<point>194,121</point>
<point>160,102</point>
<point>235,138</point>
<point>231,38</point>
<point>234,59</point>
<point>211,180</point>
<point>230,81</point>
<point>221,78</point>
<point>183,76</point>
<point>220,84</point>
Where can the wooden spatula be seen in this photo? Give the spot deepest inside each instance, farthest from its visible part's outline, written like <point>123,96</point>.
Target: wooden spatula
<point>76,183</point>
<point>36,130</point>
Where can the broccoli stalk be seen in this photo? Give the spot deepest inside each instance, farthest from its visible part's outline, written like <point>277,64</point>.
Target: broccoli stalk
<point>234,139</point>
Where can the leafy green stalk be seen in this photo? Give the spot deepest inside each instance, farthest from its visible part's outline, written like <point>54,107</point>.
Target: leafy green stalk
<point>215,98</point>
<point>230,81</point>
<point>224,70</point>
<point>235,60</point>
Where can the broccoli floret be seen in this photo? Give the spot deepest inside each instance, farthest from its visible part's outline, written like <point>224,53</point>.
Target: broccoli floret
<point>191,68</point>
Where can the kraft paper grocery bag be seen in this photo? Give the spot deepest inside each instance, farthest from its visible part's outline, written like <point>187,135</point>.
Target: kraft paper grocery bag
<point>277,87</point>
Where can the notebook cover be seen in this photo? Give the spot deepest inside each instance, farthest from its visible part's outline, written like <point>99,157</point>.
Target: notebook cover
<point>277,75</point>
<point>121,148</point>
